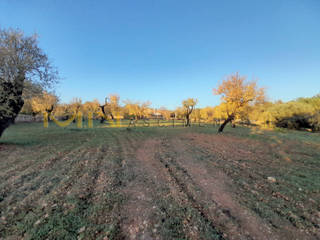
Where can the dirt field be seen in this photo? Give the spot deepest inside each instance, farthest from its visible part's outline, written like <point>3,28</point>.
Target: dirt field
<point>158,183</point>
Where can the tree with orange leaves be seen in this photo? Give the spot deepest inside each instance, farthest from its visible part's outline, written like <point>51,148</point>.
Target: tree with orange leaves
<point>237,94</point>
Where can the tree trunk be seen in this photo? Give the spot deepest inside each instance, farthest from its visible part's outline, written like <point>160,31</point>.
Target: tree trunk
<point>11,101</point>
<point>3,126</point>
<point>49,112</point>
<point>188,121</point>
<point>229,119</point>
<point>104,114</point>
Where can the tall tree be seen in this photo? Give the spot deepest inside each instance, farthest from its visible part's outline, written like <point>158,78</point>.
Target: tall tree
<point>236,94</point>
<point>21,61</point>
<point>188,106</point>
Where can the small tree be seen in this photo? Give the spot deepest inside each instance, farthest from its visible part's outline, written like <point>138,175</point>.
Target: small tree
<point>21,61</point>
<point>44,103</point>
<point>237,94</point>
<point>188,106</point>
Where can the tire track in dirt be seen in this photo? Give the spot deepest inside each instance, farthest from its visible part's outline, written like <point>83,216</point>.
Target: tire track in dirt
<point>146,214</point>
<point>104,196</point>
<point>163,188</point>
<point>183,181</point>
<point>233,219</point>
<point>218,181</point>
<point>137,209</point>
<point>105,193</point>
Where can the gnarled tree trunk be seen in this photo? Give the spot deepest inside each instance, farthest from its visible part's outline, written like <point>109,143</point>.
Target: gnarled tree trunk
<point>11,101</point>
<point>229,119</point>
<point>104,114</point>
<point>188,120</point>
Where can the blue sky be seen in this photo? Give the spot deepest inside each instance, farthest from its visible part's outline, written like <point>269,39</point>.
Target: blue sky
<point>167,50</point>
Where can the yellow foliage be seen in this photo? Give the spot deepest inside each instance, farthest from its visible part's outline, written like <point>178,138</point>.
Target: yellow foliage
<point>43,103</point>
<point>237,94</point>
<point>137,109</point>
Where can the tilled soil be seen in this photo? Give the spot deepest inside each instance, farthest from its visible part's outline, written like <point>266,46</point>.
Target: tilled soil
<point>118,184</point>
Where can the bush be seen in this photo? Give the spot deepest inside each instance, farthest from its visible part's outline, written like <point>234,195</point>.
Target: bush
<point>315,122</point>
<point>295,122</point>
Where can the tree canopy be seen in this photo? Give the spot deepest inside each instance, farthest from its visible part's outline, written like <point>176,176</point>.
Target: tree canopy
<point>236,94</point>
<point>22,63</point>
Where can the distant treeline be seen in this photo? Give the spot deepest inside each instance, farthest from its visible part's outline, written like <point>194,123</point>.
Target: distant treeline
<point>300,114</point>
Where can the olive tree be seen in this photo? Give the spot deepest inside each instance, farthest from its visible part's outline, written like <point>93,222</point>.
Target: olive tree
<point>188,106</point>
<point>237,94</point>
<point>21,62</point>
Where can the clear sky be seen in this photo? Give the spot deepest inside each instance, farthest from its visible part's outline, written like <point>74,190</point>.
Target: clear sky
<point>167,50</point>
